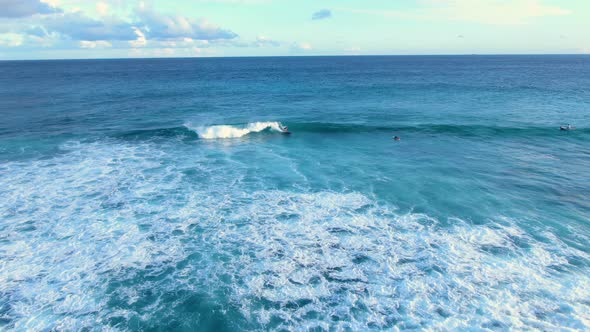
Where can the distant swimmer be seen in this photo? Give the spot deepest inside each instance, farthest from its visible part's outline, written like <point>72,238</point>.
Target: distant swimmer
<point>396,138</point>
<point>567,128</point>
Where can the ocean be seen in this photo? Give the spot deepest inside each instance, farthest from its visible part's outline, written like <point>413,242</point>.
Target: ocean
<point>160,194</point>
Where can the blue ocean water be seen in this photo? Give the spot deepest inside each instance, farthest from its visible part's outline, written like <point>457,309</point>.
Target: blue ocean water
<point>160,195</point>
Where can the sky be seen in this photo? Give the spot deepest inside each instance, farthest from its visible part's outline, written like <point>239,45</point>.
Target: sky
<point>72,29</point>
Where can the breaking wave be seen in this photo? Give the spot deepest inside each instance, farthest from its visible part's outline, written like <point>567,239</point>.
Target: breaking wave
<point>233,131</point>
<point>467,131</point>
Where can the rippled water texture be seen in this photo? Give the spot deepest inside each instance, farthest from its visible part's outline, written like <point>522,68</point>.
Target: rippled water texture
<point>161,194</point>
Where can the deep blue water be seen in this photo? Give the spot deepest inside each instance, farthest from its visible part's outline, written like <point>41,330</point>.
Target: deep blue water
<point>159,195</point>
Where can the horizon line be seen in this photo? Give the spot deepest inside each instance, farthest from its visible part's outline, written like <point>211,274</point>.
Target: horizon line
<point>304,56</point>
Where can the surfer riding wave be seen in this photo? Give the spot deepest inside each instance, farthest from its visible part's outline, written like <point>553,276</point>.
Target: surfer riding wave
<point>235,131</point>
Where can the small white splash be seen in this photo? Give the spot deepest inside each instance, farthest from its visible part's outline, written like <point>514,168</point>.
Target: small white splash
<point>229,131</point>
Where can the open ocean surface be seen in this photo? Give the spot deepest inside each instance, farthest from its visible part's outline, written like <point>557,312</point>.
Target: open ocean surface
<point>157,195</point>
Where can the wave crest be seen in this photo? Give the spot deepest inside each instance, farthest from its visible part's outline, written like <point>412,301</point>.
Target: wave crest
<point>229,131</point>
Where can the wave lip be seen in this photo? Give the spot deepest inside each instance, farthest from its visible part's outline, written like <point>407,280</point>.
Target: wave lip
<point>233,131</point>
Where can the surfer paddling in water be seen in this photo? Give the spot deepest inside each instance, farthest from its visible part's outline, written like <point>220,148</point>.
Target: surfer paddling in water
<point>567,128</point>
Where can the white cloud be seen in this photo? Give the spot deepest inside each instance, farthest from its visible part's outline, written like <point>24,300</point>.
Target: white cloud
<point>147,26</point>
<point>78,26</point>
<point>103,24</point>
<point>140,41</point>
<point>94,44</point>
<point>11,39</point>
<point>164,26</point>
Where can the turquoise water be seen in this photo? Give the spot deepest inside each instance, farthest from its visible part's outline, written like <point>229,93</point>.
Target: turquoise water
<point>159,194</point>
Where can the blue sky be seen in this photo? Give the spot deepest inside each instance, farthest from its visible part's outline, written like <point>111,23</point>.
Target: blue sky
<point>51,29</point>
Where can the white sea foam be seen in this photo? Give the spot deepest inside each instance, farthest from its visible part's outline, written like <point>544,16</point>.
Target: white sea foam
<point>336,266</point>
<point>101,236</point>
<point>229,131</point>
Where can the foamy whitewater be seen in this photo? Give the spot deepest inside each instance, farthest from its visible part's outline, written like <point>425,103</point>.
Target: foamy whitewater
<point>283,260</point>
<point>227,131</point>
<point>187,209</point>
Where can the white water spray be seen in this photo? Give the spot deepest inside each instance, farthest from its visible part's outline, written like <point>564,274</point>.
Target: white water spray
<point>229,131</point>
